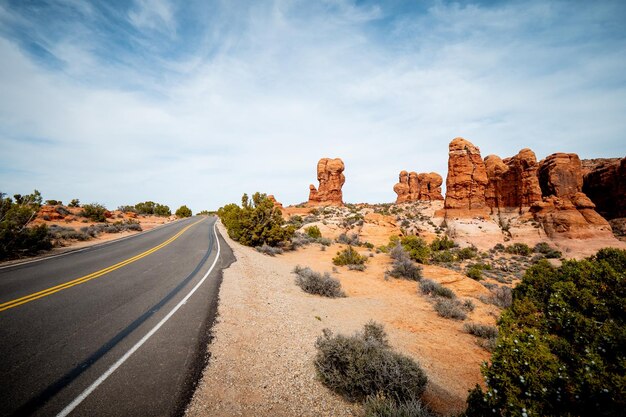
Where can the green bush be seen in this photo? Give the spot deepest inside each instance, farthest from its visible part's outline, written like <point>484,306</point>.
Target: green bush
<point>469,252</point>
<point>561,344</point>
<point>443,256</point>
<point>474,272</point>
<point>547,250</point>
<point>183,211</point>
<point>74,203</point>
<point>441,243</point>
<point>430,287</point>
<point>94,212</point>
<point>54,202</point>
<point>313,231</point>
<point>349,256</point>
<point>151,208</point>
<point>417,248</point>
<point>256,222</point>
<point>16,237</point>
<point>519,249</point>
<point>364,364</point>
<point>318,284</point>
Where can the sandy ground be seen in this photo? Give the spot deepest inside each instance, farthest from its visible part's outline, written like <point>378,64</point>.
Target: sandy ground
<point>262,355</point>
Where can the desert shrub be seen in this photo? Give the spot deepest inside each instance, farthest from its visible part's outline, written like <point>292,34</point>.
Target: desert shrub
<point>443,256</point>
<point>356,267</point>
<point>481,330</point>
<point>441,243</point>
<point>318,284</point>
<point>54,202</point>
<point>324,241</point>
<point>561,343</point>
<point>351,239</point>
<point>450,309</point>
<point>364,364</point>
<point>67,233</point>
<point>430,287</point>
<point>474,272</point>
<point>468,305</point>
<point>296,221</point>
<point>417,248</point>
<point>500,296</point>
<point>313,231</point>
<point>368,245</point>
<point>519,249</point>
<point>349,256</point>
<point>16,237</point>
<point>183,211</point>
<point>256,222</point>
<point>405,268</point>
<point>94,212</point>
<point>74,203</point>
<point>380,406</point>
<point>499,247</point>
<point>269,250</point>
<point>469,252</point>
<point>151,208</point>
<point>547,250</point>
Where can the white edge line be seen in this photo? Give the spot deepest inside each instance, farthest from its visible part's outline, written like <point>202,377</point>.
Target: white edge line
<point>71,406</point>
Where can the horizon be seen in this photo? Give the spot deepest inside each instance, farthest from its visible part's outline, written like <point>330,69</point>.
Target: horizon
<point>195,104</point>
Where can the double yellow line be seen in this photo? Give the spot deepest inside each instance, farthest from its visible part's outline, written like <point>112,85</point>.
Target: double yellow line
<point>44,293</point>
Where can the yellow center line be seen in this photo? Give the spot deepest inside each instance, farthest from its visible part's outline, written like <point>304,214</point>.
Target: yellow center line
<point>43,293</point>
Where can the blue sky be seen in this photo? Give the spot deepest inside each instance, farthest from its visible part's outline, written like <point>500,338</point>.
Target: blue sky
<point>196,102</point>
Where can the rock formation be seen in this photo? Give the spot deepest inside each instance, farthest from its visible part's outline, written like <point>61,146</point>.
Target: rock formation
<point>565,209</point>
<point>331,179</point>
<point>273,200</point>
<point>513,182</point>
<point>604,182</point>
<point>467,177</point>
<point>418,187</point>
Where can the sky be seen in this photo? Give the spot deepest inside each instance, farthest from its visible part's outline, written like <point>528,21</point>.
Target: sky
<point>196,102</point>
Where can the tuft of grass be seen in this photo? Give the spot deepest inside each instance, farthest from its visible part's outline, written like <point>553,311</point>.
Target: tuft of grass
<point>380,406</point>
<point>500,296</point>
<point>430,287</point>
<point>269,250</point>
<point>481,330</point>
<point>315,283</point>
<point>364,365</point>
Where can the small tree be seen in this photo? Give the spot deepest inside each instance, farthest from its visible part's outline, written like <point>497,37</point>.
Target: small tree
<point>75,203</point>
<point>183,211</point>
<point>94,211</point>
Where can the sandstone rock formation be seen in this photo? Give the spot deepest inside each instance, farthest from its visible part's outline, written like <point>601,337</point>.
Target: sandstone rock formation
<point>513,182</point>
<point>565,210</point>
<point>276,203</point>
<point>331,179</point>
<point>604,182</point>
<point>418,187</point>
<point>467,177</point>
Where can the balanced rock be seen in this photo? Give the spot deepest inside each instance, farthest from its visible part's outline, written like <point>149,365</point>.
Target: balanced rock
<point>604,182</point>
<point>513,182</point>
<point>331,179</point>
<point>467,177</point>
<point>418,187</point>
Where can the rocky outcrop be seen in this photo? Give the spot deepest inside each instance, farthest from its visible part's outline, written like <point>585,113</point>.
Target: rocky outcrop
<point>273,200</point>
<point>467,177</point>
<point>331,180</point>
<point>604,182</point>
<point>513,182</point>
<point>418,187</point>
<point>565,210</point>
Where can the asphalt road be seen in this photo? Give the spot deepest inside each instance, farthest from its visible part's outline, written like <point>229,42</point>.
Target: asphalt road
<point>92,333</point>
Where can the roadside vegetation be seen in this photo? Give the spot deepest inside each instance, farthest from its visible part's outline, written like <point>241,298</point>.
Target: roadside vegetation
<point>560,345</point>
<point>183,211</point>
<point>256,222</point>
<point>364,368</point>
<point>318,284</point>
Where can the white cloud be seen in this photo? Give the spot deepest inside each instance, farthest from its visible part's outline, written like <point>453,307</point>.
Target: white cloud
<point>153,15</point>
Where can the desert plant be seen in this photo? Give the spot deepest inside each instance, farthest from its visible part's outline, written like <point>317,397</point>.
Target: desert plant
<point>417,248</point>
<point>94,212</point>
<point>381,406</point>
<point>269,250</point>
<point>546,250</point>
<point>561,344</point>
<point>430,287</point>
<point>356,267</point>
<point>74,203</point>
<point>67,233</point>
<point>450,309</point>
<point>442,243</point>
<point>500,296</point>
<point>403,266</point>
<point>474,272</point>
<point>313,231</point>
<point>481,330</point>
<point>256,222</point>
<point>183,211</point>
<point>17,237</point>
<point>364,364</point>
<point>443,256</point>
<point>469,252</point>
<point>54,202</point>
<point>518,249</point>
<point>351,239</point>
<point>349,256</point>
<point>318,284</point>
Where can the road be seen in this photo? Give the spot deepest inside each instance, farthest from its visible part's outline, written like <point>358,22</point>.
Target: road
<point>113,330</point>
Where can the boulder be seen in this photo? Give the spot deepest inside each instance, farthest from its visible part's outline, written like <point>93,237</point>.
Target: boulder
<point>331,180</point>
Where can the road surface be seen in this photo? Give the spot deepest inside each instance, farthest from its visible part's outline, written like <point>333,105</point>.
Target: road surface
<point>118,329</point>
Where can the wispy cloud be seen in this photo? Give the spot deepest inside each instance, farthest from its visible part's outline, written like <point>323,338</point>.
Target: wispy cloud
<point>200,102</point>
